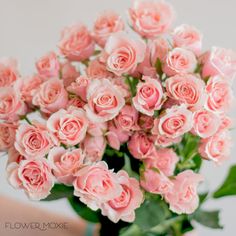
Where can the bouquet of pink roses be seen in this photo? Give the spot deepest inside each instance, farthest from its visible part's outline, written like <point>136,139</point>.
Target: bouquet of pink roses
<point>119,123</point>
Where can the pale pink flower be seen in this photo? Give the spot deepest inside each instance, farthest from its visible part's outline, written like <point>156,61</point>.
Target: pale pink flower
<point>75,102</point>
<point>164,141</point>
<point>68,73</point>
<point>97,129</point>
<point>14,156</point>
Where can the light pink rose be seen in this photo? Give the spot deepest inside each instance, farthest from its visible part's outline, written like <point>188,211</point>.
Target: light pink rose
<point>220,95</point>
<point>164,159</point>
<point>141,145</point>
<point>163,141</point>
<point>154,181</point>
<point>220,61</point>
<point>14,156</point>
<point>94,148</point>
<point>123,207</point>
<point>51,96</point>
<point>205,123</point>
<point>188,37</point>
<point>179,61</point>
<point>187,89</point>
<point>95,184</point>
<point>106,24</point>
<point>48,65</point>
<point>75,102</point>
<point>149,96</point>
<point>226,122</point>
<point>79,87</point>
<point>145,122</point>
<point>174,123</point>
<point>68,73</point>
<point>150,18</point>
<point>76,43</point>
<point>11,105</point>
<point>8,72</point>
<point>104,101</point>
<point>123,53</point>
<point>68,126</point>
<point>33,176</point>
<point>65,164</point>
<point>183,198</point>
<point>33,140</point>
<point>97,129</point>
<point>216,148</point>
<point>7,135</point>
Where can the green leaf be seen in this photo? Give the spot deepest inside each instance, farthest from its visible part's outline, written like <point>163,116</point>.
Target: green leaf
<point>127,167</point>
<point>158,67</point>
<point>228,188</point>
<point>131,231</point>
<point>203,197</point>
<point>208,218</point>
<point>60,191</point>
<point>83,211</point>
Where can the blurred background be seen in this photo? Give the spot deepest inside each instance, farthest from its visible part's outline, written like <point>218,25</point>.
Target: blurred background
<point>30,28</point>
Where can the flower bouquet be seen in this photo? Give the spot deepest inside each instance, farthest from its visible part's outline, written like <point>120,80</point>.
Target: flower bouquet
<point>119,122</point>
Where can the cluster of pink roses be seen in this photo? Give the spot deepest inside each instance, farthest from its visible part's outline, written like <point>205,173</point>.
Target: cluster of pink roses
<point>105,87</point>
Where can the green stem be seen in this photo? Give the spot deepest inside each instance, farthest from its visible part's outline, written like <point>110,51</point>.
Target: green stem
<point>130,85</point>
<point>26,119</point>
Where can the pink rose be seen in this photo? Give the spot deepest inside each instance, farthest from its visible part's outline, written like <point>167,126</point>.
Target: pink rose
<point>105,25</point>
<point>226,122</point>
<point>150,19</point>
<point>141,145</point>
<point>220,61</point>
<point>7,135</point>
<point>217,147</point>
<point>188,37</point>
<point>33,140</point>
<point>95,184</point>
<point>145,122</point>
<point>220,95</point>
<point>154,181</point>
<point>8,72</point>
<point>65,164</point>
<point>149,96</point>
<point>163,141</point>
<point>180,61</point>
<point>175,122</point>
<point>123,53</point>
<point>205,123</point>
<point>94,148</point>
<point>51,96</point>
<point>97,129</point>
<point>187,89</point>
<point>33,176</point>
<point>104,101</point>
<point>11,105</point>
<point>123,207</point>
<point>164,159</point>
<point>76,43</point>
<point>183,198</point>
<point>75,102</point>
<point>48,66</point>
<point>68,73</point>
<point>69,127</point>
<point>14,156</point>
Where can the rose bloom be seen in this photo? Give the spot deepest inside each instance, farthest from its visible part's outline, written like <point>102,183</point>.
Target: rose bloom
<point>33,176</point>
<point>220,61</point>
<point>217,147</point>
<point>149,96</point>
<point>94,148</point>
<point>150,19</point>
<point>183,198</point>
<point>145,122</point>
<point>11,105</point>
<point>97,129</point>
<point>75,102</point>
<point>123,207</point>
<point>123,53</point>
<point>188,37</point>
<point>179,61</point>
<point>187,89</point>
<point>163,141</point>
<point>105,25</point>
<point>68,73</point>
<point>48,65</point>
<point>95,184</point>
<point>220,95</point>
<point>65,163</point>
<point>174,123</point>
<point>33,140</point>
<point>205,123</point>
<point>104,101</point>
<point>76,43</point>
<point>8,72</point>
<point>164,159</point>
<point>141,145</point>
<point>68,126</point>
<point>51,96</point>
<point>7,135</point>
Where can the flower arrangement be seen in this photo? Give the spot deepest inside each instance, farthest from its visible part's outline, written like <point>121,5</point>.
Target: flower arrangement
<point>119,123</point>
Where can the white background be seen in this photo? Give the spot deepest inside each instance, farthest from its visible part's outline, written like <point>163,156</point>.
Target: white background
<point>29,28</point>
